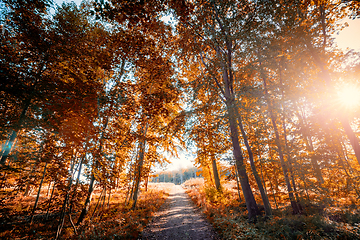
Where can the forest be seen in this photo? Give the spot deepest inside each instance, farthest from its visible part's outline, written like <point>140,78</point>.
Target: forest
<point>95,98</point>
<point>176,176</point>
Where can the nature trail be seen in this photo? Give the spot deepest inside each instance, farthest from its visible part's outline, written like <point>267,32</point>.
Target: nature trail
<point>178,219</point>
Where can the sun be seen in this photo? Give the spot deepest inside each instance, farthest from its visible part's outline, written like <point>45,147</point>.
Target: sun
<point>349,96</point>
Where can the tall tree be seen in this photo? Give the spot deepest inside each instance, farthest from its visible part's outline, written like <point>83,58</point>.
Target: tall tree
<point>215,29</point>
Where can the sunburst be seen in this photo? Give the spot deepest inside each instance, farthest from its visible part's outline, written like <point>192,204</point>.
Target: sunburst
<point>349,96</point>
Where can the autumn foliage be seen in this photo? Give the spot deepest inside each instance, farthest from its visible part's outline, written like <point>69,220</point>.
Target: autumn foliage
<point>95,98</point>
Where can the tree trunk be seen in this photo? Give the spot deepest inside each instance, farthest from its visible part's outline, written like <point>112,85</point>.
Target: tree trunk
<point>264,196</point>
<point>97,204</point>
<point>294,205</point>
<point>85,209</point>
<point>66,200</point>
<point>141,158</point>
<point>239,160</point>
<point>216,174</point>
<point>352,137</point>
<point>8,147</point>
<point>38,195</point>
<point>237,184</point>
<point>139,166</point>
<point>27,189</point>
<point>48,191</point>
<point>10,144</point>
<point>309,145</point>
<point>229,96</point>
<point>138,174</point>
<point>210,175</point>
<point>108,203</point>
<point>51,196</point>
<point>290,161</point>
<point>343,119</point>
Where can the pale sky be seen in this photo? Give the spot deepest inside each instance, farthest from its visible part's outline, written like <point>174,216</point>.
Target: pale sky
<point>350,36</point>
<point>347,38</point>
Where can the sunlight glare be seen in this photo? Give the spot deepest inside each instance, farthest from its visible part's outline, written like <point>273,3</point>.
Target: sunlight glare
<point>349,96</point>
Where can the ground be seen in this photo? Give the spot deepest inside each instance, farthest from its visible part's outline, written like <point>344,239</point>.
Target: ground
<point>178,218</point>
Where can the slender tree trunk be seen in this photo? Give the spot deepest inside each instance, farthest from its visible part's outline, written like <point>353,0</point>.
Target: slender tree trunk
<point>228,96</point>
<point>214,166</point>
<point>290,163</point>
<point>10,144</point>
<point>27,189</point>
<point>294,205</point>
<point>139,166</point>
<point>38,195</point>
<point>85,209</point>
<point>104,198</point>
<point>108,203</point>
<point>239,160</point>
<point>237,184</point>
<point>352,137</point>
<point>274,194</point>
<point>216,174</point>
<point>66,200</point>
<point>228,80</point>
<point>128,194</point>
<point>287,152</point>
<point>48,191</point>
<point>343,119</point>
<point>77,180</point>
<point>210,175</point>
<point>309,145</point>
<point>276,182</point>
<point>146,183</point>
<point>71,199</point>
<point>51,196</point>
<point>8,147</point>
<point>141,159</point>
<point>97,204</point>
<point>264,196</point>
<point>131,196</point>
<point>262,173</point>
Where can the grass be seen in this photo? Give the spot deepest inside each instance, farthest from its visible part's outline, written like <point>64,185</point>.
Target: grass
<point>229,218</point>
<point>113,221</point>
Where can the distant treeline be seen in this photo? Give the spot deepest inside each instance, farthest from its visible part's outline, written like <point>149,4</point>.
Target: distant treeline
<point>177,176</point>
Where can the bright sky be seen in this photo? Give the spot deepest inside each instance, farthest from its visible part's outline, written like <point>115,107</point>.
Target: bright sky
<point>347,38</point>
<point>350,36</point>
<point>184,161</point>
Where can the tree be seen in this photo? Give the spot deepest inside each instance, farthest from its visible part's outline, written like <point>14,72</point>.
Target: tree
<point>214,29</point>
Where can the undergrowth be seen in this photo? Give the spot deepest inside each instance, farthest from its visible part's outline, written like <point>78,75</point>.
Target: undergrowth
<point>122,222</point>
<point>113,221</point>
<point>229,218</point>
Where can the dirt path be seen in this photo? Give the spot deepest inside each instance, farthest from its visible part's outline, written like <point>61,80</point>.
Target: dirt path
<point>179,219</point>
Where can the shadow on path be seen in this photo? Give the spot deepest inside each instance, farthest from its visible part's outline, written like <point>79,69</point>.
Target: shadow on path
<point>178,219</point>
